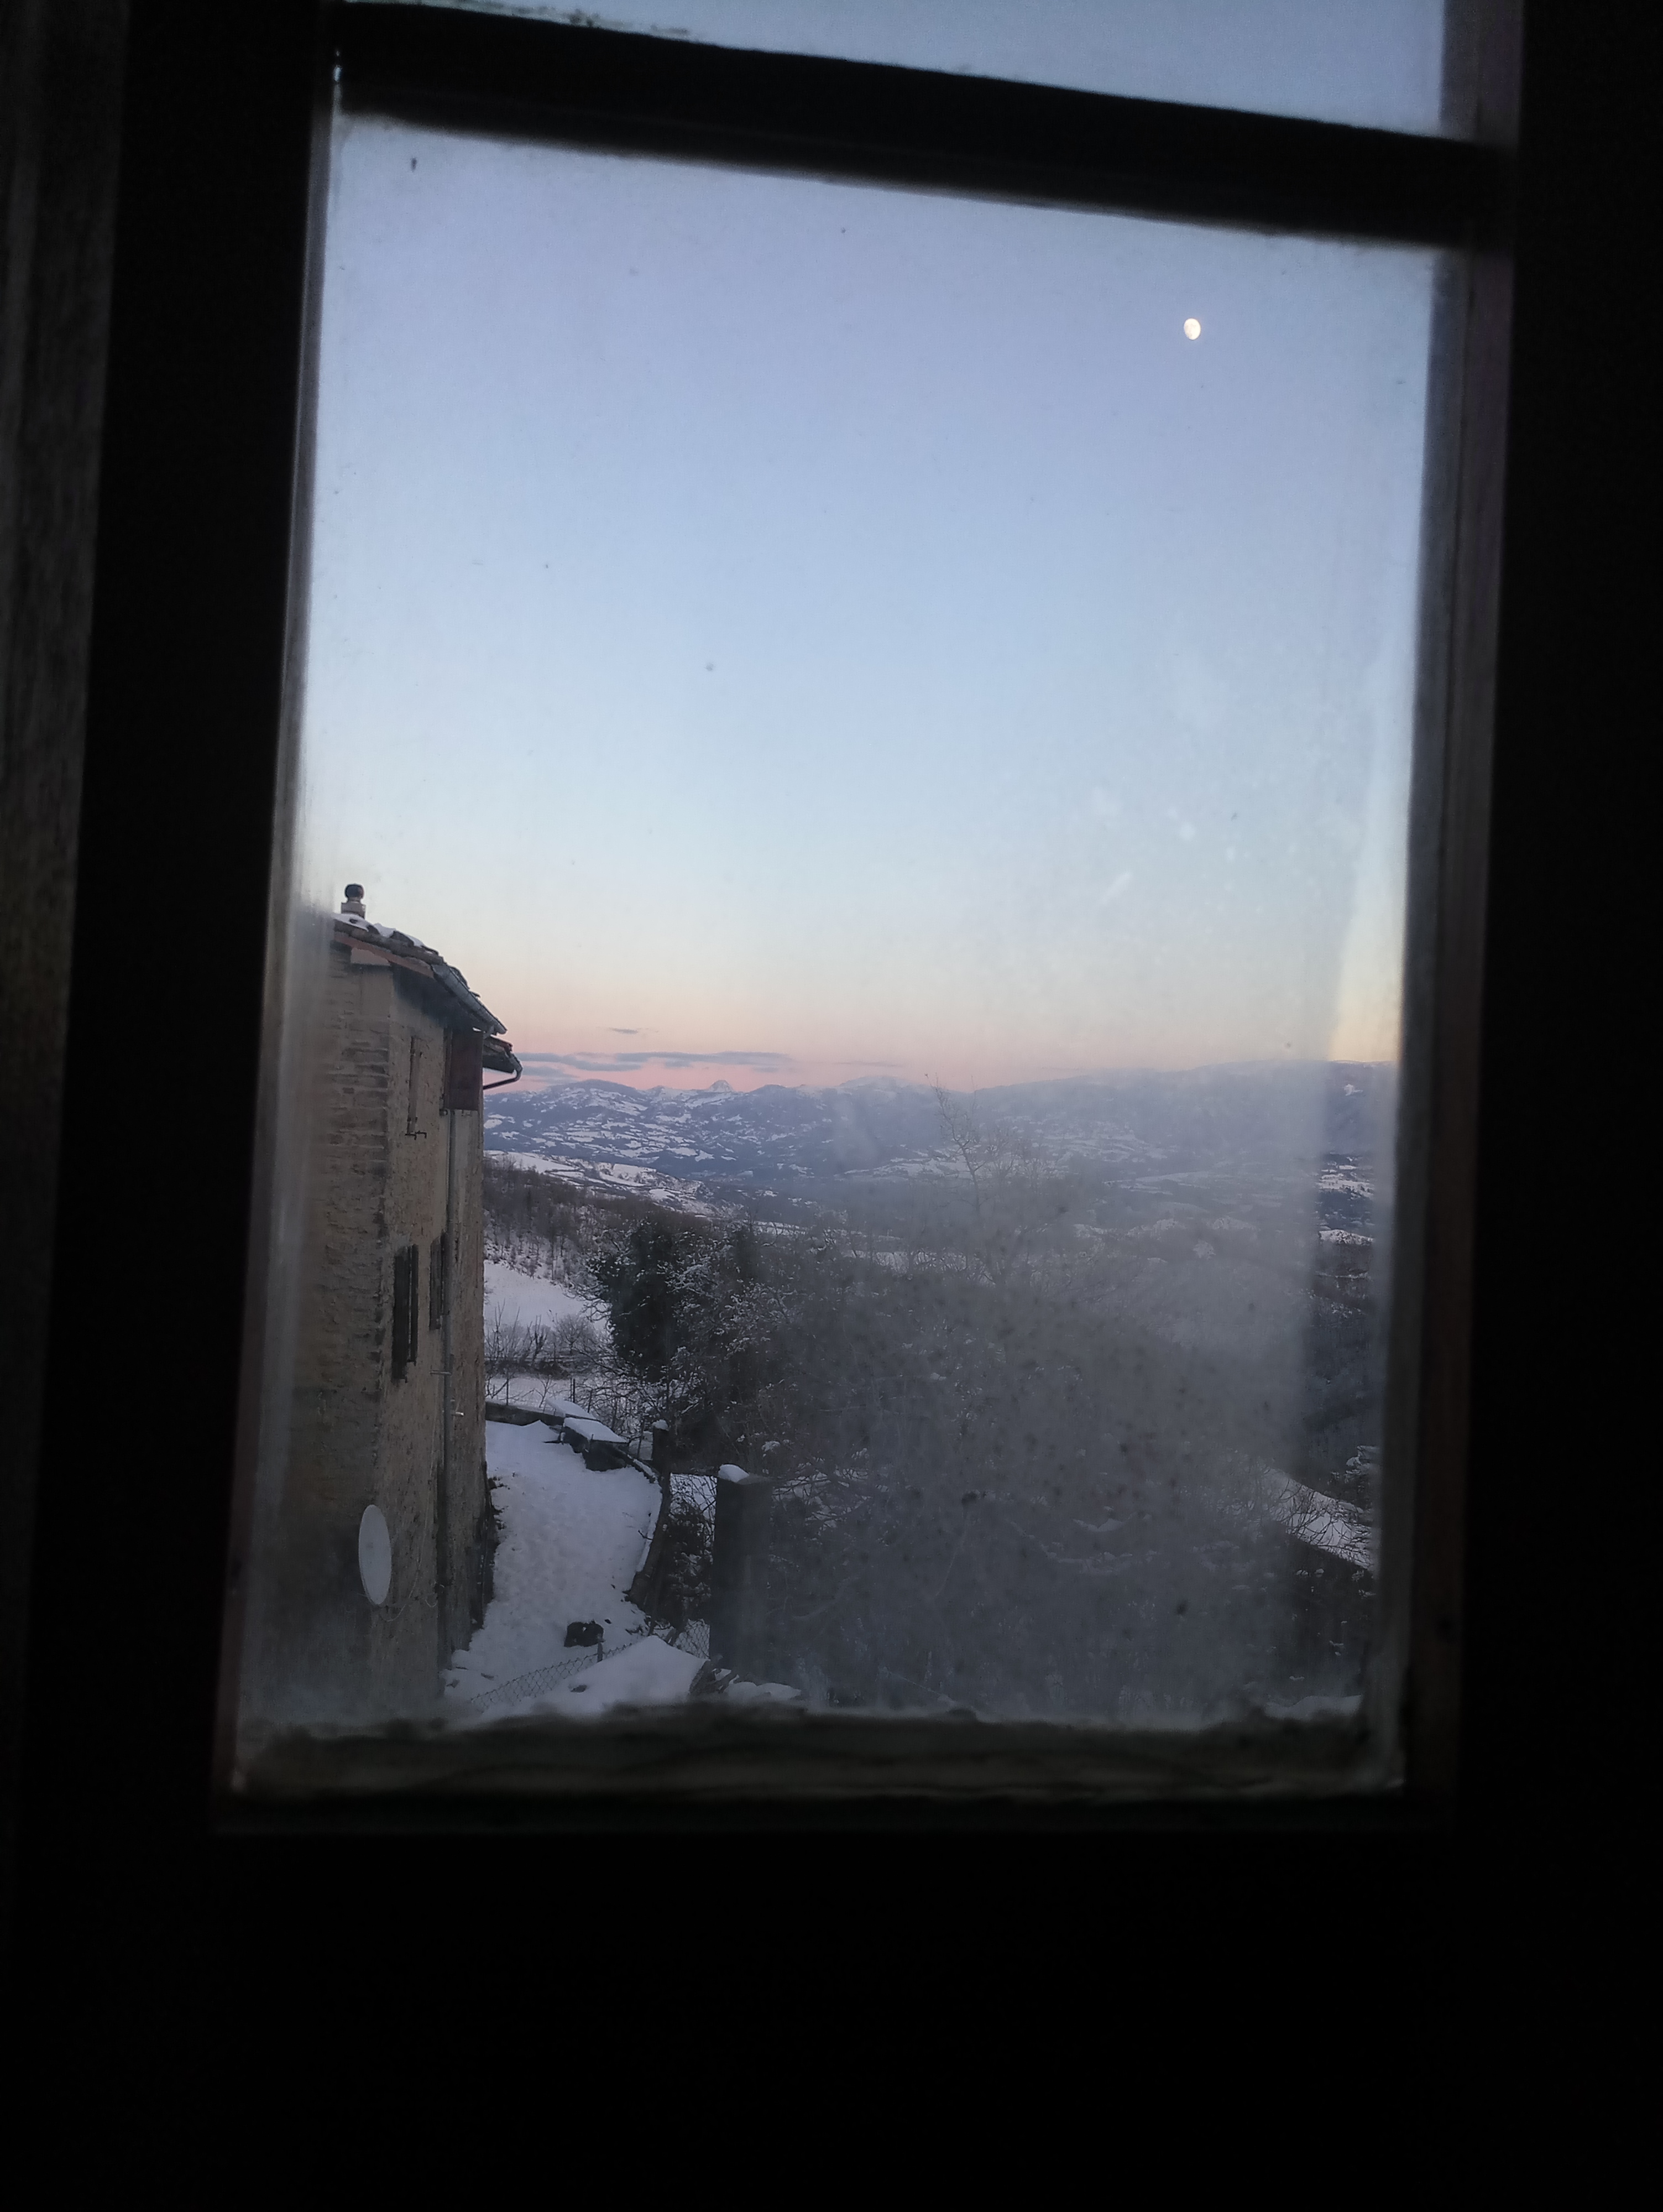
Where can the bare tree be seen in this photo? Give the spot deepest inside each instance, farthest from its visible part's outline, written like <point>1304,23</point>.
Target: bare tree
<point>1017,1198</point>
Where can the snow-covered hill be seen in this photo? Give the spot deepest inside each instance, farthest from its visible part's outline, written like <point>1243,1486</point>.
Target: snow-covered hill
<point>720,1134</point>
<point>1122,1123</point>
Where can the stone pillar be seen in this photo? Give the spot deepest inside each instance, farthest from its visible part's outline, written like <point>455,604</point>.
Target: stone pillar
<point>738,1577</point>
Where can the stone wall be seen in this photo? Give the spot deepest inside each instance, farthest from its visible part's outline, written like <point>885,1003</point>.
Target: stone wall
<point>376,1160</point>
<point>426,1143</point>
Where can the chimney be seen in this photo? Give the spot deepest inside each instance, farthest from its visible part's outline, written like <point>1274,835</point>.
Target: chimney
<point>354,900</point>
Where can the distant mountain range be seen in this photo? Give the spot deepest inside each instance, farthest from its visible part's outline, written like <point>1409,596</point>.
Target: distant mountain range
<point>1121,1124</point>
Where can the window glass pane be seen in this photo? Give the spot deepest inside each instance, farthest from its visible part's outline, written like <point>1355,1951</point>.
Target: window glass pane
<point>1374,62</point>
<point>899,706</point>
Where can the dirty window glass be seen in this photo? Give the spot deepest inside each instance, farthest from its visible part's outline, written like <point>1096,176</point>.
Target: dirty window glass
<point>1373,62</point>
<point>839,1072</point>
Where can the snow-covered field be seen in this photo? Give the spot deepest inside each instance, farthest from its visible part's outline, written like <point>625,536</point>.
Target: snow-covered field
<point>572,1542</point>
<point>516,1300</point>
<point>675,1192</point>
<point>520,1301</point>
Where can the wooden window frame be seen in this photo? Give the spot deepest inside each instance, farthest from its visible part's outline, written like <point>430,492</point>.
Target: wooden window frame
<point>154,675</point>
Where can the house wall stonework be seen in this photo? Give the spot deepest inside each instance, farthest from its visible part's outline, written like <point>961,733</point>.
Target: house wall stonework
<point>383,1148</point>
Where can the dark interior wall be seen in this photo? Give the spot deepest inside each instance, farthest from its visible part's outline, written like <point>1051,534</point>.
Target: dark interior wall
<point>1562,1354</point>
<point>60,111</point>
<point>186,555</point>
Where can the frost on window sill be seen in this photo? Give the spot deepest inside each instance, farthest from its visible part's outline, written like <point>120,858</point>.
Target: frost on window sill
<point>707,1754</point>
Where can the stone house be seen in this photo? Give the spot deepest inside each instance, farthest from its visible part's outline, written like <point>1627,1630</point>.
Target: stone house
<point>379,1545</point>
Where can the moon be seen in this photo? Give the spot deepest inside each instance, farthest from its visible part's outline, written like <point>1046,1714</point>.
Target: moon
<point>1192,328</point>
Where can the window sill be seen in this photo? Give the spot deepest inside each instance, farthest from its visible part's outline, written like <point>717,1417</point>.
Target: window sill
<point>658,1767</point>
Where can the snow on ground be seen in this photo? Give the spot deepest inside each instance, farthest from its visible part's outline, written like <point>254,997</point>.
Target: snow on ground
<point>1347,1179</point>
<point>649,1672</point>
<point>519,1301</point>
<point>572,1541</point>
<point>1330,1524</point>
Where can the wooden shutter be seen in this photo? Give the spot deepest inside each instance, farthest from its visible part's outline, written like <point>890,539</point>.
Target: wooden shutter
<point>406,1307</point>
<point>438,1286</point>
<point>464,1071</point>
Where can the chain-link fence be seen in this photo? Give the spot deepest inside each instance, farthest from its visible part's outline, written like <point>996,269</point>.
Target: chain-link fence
<point>534,1685</point>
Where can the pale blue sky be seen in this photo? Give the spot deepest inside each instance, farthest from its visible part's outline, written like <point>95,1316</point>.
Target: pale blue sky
<point>762,616</point>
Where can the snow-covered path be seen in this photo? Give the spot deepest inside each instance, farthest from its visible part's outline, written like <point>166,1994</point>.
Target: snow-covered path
<point>572,1541</point>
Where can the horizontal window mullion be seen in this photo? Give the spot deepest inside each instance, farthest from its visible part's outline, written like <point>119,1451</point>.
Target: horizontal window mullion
<point>871,123</point>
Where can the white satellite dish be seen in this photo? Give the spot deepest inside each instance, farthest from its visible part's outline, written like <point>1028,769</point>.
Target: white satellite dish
<point>375,1554</point>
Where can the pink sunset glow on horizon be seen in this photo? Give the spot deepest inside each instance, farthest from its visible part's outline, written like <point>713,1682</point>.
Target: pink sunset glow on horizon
<point>546,1070</point>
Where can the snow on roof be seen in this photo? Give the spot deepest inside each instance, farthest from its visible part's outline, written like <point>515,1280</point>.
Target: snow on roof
<point>408,951</point>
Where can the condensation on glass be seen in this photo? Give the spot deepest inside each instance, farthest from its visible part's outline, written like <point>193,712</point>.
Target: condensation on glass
<point>838,1079</point>
<point>1379,63</point>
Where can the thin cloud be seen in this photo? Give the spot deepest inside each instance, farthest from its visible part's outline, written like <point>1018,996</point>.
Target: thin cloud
<point>630,1063</point>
